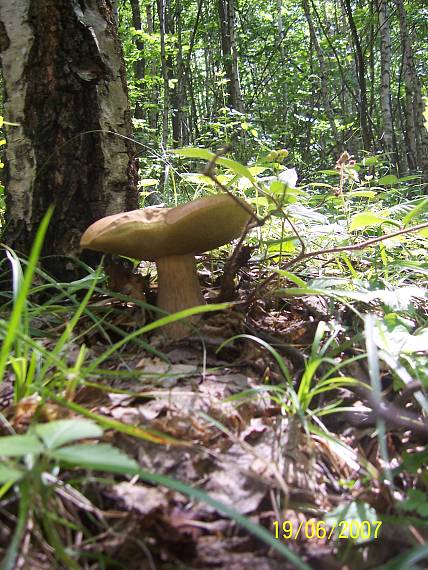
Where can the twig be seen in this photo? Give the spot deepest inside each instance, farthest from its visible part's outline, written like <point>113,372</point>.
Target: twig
<point>356,247</point>
<point>209,172</point>
<point>227,286</point>
<point>255,221</point>
<point>392,414</point>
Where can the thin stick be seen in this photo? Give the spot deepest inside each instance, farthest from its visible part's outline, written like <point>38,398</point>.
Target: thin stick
<point>356,247</point>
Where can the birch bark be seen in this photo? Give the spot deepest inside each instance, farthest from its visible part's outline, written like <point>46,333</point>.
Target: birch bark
<point>65,89</point>
<point>323,76</point>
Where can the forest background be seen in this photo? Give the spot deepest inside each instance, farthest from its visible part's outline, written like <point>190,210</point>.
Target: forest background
<point>317,79</point>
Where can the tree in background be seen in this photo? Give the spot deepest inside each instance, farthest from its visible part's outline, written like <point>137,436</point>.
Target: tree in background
<point>66,93</point>
<point>416,132</point>
<point>385,76</point>
<point>226,10</point>
<point>315,76</point>
<point>139,64</point>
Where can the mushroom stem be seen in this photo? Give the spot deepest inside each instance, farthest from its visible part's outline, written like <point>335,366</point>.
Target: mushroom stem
<point>178,289</point>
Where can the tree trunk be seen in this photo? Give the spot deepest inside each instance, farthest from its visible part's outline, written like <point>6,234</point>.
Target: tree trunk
<point>385,77</point>
<point>416,132</point>
<point>140,64</point>
<point>360,67</point>
<point>280,30</point>
<point>115,8</point>
<point>64,84</point>
<point>153,91</point>
<point>230,55</point>
<point>283,61</point>
<point>323,77</point>
<point>179,131</point>
<point>163,10</point>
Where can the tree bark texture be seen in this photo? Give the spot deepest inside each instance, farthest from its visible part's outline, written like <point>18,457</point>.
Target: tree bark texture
<point>323,73</point>
<point>416,132</point>
<point>226,10</point>
<point>385,72</point>
<point>360,66</point>
<point>140,64</point>
<point>65,88</point>
<point>178,95</point>
<point>153,92</point>
<point>163,13</point>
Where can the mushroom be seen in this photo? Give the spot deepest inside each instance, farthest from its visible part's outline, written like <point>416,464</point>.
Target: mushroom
<point>171,237</point>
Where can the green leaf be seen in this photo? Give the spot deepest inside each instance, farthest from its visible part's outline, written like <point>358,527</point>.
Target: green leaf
<point>277,187</point>
<point>353,512</point>
<point>399,340</point>
<point>57,433</point>
<point>20,445</point>
<point>10,474</point>
<point>147,182</point>
<point>13,548</point>
<point>414,461</point>
<point>319,185</point>
<point>236,167</point>
<point>287,246</point>
<point>260,201</point>
<point>14,322</point>
<point>408,178</point>
<point>416,501</point>
<point>389,180</point>
<point>370,161</point>
<point>194,152</point>
<point>196,178</point>
<point>256,170</point>
<point>277,242</point>
<point>416,211</point>
<point>362,194</point>
<point>330,172</point>
<point>292,277</point>
<point>367,219</point>
<point>100,456</point>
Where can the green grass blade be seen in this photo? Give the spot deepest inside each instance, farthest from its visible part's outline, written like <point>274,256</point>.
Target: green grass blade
<point>8,562</point>
<point>154,325</point>
<point>19,306</point>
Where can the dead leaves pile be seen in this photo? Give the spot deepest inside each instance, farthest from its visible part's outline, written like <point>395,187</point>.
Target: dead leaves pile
<point>246,452</point>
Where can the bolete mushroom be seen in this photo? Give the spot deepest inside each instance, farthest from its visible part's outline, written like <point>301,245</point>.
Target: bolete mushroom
<point>172,237</point>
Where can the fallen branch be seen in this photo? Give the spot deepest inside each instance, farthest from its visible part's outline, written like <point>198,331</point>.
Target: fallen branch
<point>356,247</point>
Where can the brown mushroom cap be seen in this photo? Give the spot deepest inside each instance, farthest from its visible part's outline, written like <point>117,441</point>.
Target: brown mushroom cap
<point>152,233</point>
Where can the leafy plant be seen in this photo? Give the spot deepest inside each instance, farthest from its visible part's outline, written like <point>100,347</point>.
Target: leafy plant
<point>30,456</point>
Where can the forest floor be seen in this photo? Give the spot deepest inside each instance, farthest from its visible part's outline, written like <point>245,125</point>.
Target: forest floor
<point>223,425</point>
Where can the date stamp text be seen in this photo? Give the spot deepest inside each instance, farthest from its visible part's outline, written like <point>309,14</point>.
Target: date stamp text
<point>313,529</point>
